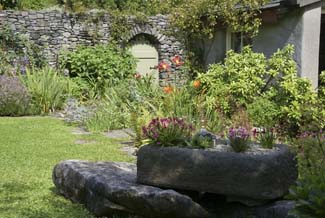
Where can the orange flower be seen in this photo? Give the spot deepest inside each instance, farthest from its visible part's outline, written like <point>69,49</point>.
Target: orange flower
<point>168,89</point>
<point>163,66</point>
<point>177,60</point>
<point>196,84</point>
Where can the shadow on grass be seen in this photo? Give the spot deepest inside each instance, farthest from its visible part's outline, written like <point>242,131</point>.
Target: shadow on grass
<point>11,192</point>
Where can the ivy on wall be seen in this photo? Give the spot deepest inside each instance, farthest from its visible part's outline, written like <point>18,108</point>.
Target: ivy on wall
<point>197,18</point>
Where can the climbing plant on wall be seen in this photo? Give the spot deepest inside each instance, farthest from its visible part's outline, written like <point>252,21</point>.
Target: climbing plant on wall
<point>197,20</point>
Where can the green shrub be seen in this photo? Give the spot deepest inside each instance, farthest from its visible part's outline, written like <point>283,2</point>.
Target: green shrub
<point>14,97</point>
<point>36,4</point>
<point>249,80</point>
<point>309,193</point>
<point>48,89</point>
<point>101,65</point>
<point>8,4</point>
<point>263,112</point>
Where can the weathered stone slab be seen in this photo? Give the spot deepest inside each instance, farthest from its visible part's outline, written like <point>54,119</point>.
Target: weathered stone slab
<point>259,176</point>
<point>109,187</point>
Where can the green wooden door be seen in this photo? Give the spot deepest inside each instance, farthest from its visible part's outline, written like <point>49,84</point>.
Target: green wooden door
<point>147,57</point>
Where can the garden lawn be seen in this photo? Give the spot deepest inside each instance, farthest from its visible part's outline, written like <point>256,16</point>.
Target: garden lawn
<point>29,149</point>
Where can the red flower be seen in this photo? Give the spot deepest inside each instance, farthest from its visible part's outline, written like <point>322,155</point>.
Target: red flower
<point>168,89</point>
<point>137,75</point>
<point>177,60</point>
<point>163,66</point>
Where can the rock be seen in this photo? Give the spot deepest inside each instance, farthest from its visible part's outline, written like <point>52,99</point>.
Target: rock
<point>259,176</point>
<point>279,209</point>
<point>109,187</point>
<point>246,201</point>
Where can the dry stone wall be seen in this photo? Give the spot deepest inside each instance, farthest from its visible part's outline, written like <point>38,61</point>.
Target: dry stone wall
<point>57,30</point>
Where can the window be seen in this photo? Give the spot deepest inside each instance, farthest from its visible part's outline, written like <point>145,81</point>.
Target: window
<point>236,41</point>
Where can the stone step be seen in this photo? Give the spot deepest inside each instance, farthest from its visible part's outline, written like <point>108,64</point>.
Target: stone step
<point>110,187</point>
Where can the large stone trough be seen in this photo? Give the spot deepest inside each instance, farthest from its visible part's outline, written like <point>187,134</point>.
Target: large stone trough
<point>257,176</point>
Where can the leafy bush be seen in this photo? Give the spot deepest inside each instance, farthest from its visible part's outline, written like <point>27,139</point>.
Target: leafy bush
<point>36,4</point>
<point>101,65</point>
<point>14,97</point>
<point>48,89</point>
<point>251,81</point>
<point>309,193</point>
<point>263,112</point>
<point>8,4</point>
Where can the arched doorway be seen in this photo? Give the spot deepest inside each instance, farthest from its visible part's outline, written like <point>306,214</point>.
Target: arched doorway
<point>147,57</point>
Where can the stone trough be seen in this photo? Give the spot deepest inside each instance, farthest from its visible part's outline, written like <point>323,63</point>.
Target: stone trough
<point>251,178</point>
<point>182,183</point>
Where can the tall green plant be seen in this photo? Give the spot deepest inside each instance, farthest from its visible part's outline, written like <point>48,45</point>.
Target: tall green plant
<point>47,88</point>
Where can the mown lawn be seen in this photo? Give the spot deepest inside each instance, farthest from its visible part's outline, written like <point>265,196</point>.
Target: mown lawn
<point>29,149</point>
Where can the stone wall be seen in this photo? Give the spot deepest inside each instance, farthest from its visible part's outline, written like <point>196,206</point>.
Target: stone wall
<point>56,30</point>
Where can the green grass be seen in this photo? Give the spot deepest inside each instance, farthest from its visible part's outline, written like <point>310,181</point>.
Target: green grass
<point>29,149</point>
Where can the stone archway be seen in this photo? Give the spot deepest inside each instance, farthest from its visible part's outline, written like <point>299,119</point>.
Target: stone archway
<point>151,36</point>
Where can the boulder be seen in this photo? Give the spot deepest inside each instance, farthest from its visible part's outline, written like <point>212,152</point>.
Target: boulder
<point>110,187</point>
<point>257,176</point>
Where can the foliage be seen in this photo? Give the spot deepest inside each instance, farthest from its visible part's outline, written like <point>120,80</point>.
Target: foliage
<point>200,17</point>
<point>14,97</point>
<point>266,137</point>
<point>263,111</point>
<point>239,139</point>
<point>101,65</point>
<point>309,191</point>
<point>8,4</point>
<point>168,132</point>
<point>30,148</point>
<point>47,88</point>
<point>35,4</point>
<point>131,103</point>
<point>309,195</point>
<point>151,7</point>
<point>244,78</point>
<point>17,53</point>
<point>200,141</point>
<point>112,110</point>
